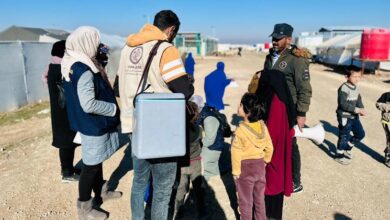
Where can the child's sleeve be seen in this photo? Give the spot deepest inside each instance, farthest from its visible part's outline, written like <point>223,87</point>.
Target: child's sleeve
<point>211,125</point>
<point>381,104</point>
<point>269,147</point>
<point>383,107</point>
<point>359,102</point>
<point>236,153</point>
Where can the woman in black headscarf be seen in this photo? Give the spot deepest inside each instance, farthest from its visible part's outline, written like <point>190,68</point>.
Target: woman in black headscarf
<point>62,135</point>
<point>279,114</point>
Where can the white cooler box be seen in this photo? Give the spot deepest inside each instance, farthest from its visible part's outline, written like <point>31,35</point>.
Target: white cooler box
<point>159,126</point>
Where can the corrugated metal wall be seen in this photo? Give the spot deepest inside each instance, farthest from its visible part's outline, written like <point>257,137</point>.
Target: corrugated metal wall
<point>21,68</point>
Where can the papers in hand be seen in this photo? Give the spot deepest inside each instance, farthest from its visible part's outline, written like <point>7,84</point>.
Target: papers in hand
<point>77,138</point>
<point>233,84</point>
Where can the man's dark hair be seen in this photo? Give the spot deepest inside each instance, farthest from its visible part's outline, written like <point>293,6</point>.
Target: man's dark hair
<point>251,106</point>
<point>165,19</point>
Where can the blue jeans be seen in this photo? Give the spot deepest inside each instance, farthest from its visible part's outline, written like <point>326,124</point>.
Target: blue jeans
<point>164,174</point>
<point>346,126</point>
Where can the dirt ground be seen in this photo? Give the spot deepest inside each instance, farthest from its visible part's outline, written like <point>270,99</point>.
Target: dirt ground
<point>31,188</point>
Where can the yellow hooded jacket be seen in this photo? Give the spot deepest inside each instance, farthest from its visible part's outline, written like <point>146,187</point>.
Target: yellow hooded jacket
<point>251,141</point>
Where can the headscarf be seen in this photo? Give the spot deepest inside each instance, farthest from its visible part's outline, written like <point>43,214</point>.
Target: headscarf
<point>273,82</point>
<point>198,100</point>
<point>214,87</point>
<point>81,46</point>
<point>57,52</point>
<point>189,64</point>
<point>58,49</point>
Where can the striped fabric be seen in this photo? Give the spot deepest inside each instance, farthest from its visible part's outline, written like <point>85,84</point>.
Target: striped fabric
<point>171,65</point>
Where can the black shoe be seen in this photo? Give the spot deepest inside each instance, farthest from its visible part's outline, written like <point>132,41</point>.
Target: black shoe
<point>387,160</point>
<point>70,178</point>
<point>298,189</point>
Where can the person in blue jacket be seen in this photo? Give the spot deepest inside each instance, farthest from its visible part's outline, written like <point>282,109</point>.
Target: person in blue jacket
<point>214,87</point>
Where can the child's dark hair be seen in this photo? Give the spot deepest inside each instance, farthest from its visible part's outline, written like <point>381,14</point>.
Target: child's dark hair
<point>251,106</point>
<point>193,111</point>
<point>351,69</point>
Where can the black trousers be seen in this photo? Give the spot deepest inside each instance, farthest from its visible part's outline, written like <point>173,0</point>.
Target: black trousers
<point>274,206</point>
<point>91,178</point>
<point>66,159</point>
<point>296,163</point>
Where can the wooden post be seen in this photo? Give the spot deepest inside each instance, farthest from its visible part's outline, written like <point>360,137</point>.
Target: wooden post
<point>363,64</point>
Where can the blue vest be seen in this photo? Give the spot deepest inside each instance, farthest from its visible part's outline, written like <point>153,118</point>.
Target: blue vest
<point>87,123</point>
<point>219,139</point>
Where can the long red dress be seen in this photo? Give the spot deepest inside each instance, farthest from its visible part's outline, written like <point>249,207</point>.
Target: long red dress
<point>279,170</point>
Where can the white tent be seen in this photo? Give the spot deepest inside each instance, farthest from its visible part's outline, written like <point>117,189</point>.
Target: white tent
<point>309,41</point>
<point>343,50</point>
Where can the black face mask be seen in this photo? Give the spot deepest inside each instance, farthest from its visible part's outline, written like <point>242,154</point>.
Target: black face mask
<point>102,55</point>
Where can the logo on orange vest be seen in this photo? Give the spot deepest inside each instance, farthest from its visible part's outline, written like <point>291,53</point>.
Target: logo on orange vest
<point>136,55</point>
<point>283,65</point>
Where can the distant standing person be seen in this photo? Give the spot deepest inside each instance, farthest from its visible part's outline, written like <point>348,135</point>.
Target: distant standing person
<point>62,134</point>
<point>214,86</point>
<point>239,51</point>
<point>294,63</point>
<point>383,104</point>
<point>349,108</point>
<point>189,65</point>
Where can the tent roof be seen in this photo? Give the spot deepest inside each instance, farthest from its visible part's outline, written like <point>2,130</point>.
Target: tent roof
<point>113,41</point>
<point>334,40</point>
<point>344,28</point>
<point>345,41</point>
<point>350,42</point>
<point>54,33</point>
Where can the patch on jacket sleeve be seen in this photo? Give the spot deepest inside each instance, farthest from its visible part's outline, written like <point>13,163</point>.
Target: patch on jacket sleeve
<point>306,74</point>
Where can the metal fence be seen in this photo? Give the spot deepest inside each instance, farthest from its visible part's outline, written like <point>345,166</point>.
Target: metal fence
<point>21,68</point>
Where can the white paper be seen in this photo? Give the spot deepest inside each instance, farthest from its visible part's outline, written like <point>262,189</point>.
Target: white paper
<point>77,138</point>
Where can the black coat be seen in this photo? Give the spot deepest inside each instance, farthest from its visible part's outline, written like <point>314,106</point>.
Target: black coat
<point>62,135</point>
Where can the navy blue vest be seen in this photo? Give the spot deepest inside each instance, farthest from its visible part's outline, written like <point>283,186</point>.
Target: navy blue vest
<point>219,139</point>
<point>87,123</point>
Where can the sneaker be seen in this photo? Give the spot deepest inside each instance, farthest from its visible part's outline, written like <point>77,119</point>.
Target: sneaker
<point>387,160</point>
<point>298,189</point>
<point>348,154</point>
<point>72,178</point>
<point>342,159</point>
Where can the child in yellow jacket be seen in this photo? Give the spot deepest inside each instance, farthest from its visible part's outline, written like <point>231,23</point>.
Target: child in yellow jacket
<point>251,149</point>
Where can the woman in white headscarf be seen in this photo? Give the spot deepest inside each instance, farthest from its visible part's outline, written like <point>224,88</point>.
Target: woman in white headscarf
<point>93,113</point>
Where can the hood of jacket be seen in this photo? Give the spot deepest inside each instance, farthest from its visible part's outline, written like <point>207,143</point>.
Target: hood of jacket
<point>147,33</point>
<point>255,133</point>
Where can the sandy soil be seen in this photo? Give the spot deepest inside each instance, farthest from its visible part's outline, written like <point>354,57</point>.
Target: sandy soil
<point>31,188</point>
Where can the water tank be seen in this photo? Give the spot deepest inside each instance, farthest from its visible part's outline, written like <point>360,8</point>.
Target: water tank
<point>375,44</point>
